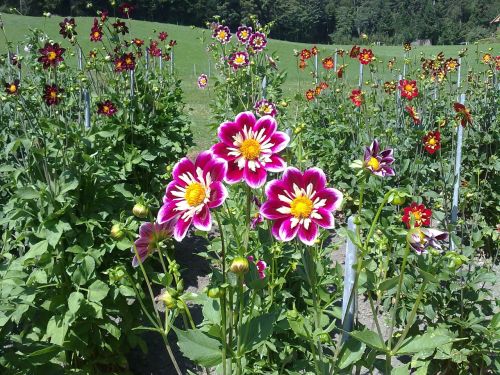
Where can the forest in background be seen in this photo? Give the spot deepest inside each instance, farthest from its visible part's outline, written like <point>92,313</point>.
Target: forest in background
<point>313,21</point>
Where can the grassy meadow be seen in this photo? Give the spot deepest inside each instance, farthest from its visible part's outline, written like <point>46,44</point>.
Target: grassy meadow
<point>191,58</point>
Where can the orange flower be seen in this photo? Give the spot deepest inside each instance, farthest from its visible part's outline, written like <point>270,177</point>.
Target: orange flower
<point>366,56</point>
<point>432,141</point>
<point>463,114</point>
<point>302,64</point>
<point>356,97</point>
<point>317,90</point>
<point>408,89</point>
<point>413,114</point>
<point>310,94</point>
<point>328,63</point>
<point>487,58</point>
<point>305,54</point>
<point>323,85</point>
<point>451,65</point>
<point>340,71</point>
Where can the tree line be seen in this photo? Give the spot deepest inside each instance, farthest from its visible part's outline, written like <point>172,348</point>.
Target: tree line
<point>312,21</point>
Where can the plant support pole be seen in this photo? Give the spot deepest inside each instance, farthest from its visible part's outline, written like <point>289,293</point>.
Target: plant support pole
<point>86,99</point>
<point>458,165</point>
<point>349,279</point>
<point>264,87</point>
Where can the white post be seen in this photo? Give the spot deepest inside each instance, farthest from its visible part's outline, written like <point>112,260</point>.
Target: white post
<point>172,62</point>
<point>458,166</point>
<point>335,60</point>
<point>80,59</point>
<point>360,75</point>
<point>459,77</point>
<point>316,68</point>
<point>86,98</point>
<point>349,278</point>
<point>132,83</point>
<point>147,59</point>
<point>264,86</point>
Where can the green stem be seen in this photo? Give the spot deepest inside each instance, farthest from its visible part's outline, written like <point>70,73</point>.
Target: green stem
<point>224,330</point>
<point>240,323</point>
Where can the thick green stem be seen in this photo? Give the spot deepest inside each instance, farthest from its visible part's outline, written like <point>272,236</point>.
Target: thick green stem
<point>240,323</point>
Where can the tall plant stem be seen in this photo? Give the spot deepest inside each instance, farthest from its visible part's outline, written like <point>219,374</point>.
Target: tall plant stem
<point>223,297</point>
<point>240,323</point>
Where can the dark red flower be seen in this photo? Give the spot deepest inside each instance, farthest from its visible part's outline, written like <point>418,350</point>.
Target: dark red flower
<point>52,94</point>
<point>96,32</point>
<point>138,42</point>
<point>340,52</point>
<point>463,114</point>
<point>93,54</point>
<point>125,9</point>
<point>172,43</point>
<point>366,56</point>
<point>390,87</point>
<point>354,52</point>
<point>420,214</point>
<point>408,89</point>
<point>356,97</point>
<point>153,49</point>
<point>68,28</point>
<point>51,55</point>
<point>162,36</point>
<point>432,141</point>
<point>413,114</point>
<point>104,15</point>
<point>106,108</point>
<point>314,50</point>
<point>340,71</point>
<point>328,63</point>
<point>12,88</point>
<point>120,27</point>
<point>15,61</point>
<point>407,46</point>
<point>310,94</point>
<point>305,54</point>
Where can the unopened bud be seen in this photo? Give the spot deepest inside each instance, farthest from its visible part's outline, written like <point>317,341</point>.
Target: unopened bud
<point>239,265</point>
<point>117,232</point>
<point>140,210</point>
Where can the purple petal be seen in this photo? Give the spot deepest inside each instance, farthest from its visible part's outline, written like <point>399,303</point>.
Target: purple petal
<point>309,235</point>
<point>255,179</point>
<point>234,174</point>
<point>146,230</point>
<point>277,164</point>
<point>218,194</point>
<point>181,228</point>
<point>275,188</point>
<point>227,130</point>
<point>325,220</point>
<point>388,171</point>
<point>276,228</point>
<point>268,123</point>
<point>286,232</point>
<point>280,140</point>
<point>316,177</point>
<point>386,153</point>
<point>166,213</point>
<point>292,176</point>
<point>221,150</point>
<point>270,210</point>
<point>245,119</point>
<point>203,160</point>
<point>333,198</point>
<point>375,147</point>
<point>203,219</point>
<point>183,166</point>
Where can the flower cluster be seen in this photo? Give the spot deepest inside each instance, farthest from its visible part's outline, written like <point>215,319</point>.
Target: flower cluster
<point>357,97</point>
<point>124,62</point>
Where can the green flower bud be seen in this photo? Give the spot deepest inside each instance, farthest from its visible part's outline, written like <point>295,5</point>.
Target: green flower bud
<point>140,210</point>
<point>214,293</point>
<point>239,265</point>
<point>117,232</point>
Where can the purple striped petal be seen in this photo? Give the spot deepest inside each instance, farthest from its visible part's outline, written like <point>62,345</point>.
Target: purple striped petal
<point>286,232</point>
<point>227,130</point>
<point>254,179</point>
<point>218,194</point>
<point>234,174</point>
<point>270,210</point>
<point>292,176</point>
<point>183,166</point>
<point>275,230</point>
<point>220,150</point>
<point>181,228</point>
<point>268,123</point>
<point>245,119</point>
<point>316,177</point>
<point>277,164</point>
<point>279,140</point>
<point>275,188</point>
<point>146,229</point>
<point>203,219</point>
<point>309,235</point>
<point>166,213</point>
<point>333,198</point>
<point>326,221</point>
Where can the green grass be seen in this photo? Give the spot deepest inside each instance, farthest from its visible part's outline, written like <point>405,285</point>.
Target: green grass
<point>191,57</point>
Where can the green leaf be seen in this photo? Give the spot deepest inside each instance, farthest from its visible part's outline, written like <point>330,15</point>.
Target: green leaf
<point>74,301</point>
<point>57,327</point>
<point>370,338</point>
<point>257,331</point>
<point>427,276</point>
<point>27,193</point>
<point>98,291</point>
<point>198,347</point>
<point>427,341</point>
<point>351,352</point>
<point>389,283</point>
<point>36,250</point>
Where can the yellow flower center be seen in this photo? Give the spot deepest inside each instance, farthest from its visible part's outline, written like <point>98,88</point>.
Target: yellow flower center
<point>96,34</point>
<point>408,88</point>
<point>374,163</point>
<point>244,34</point>
<point>105,109</point>
<point>432,141</point>
<point>128,60</point>
<point>417,215</point>
<point>250,149</point>
<point>301,207</point>
<point>195,194</point>
<point>13,88</point>
<point>51,55</point>
<point>222,35</point>
<point>240,59</point>
<point>53,94</point>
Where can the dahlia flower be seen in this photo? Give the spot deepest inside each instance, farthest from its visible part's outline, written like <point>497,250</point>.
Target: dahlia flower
<point>423,238</point>
<point>378,163</point>
<point>150,236</point>
<point>420,214</point>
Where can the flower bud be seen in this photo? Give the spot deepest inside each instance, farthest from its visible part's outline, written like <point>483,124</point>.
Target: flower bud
<point>117,232</point>
<point>214,293</point>
<point>239,265</point>
<point>167,299</point>
<point>398,199</point>
<point>140,210</point>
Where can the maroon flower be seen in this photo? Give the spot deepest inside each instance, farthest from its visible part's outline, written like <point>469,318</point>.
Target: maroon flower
<point>96,32</point>
<point>68,28</point>
<point>125,62</point>
<point>138,42</point>
<point>12,88</point>
<point>52,94</point>
<point>162,36</point>
<point>172,43</point>
<point>106,108</point>
<point>125,9</point>
<point>120,27</point>
<point>153,49</point>
<point>104,15</point>
<point>51,55</point>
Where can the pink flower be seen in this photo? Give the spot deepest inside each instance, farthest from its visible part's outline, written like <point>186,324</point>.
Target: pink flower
<point>257,41</point>
<point>238,60</point>
<point>243,34</point>
<point>150,235</point>
<point>261,267</point>
<point>251,148</point>
<point>196,188</point>
<point>300,202</point>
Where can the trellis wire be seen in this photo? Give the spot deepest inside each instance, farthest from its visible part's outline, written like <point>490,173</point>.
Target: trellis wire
<point>349,287</point>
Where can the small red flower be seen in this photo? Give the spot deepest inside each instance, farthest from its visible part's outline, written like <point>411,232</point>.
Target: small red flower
<point>408,89</point>
<point>12,88</point>
<point>420,214</point>
<point>497,62</point>
<point>432,141</point>
<point>162,36</point>
<point>106,108</point>
<point>314,50</point>
<point>51,55</point>
<point>463,114</point>
<point>305,54</point>
<point>103,14</point>
<point>138,42</point>
<point>340,71</point>
<point>68,28</point>
<point>356,97</point>
<point>354,52</point>
<point>317,90</point>
<point>413,114</point>
<point>96,32</point>
<point>340,52</point>
<point>366,56</point>
<point>52,94</point>
<point>172,43</point>
<point>323,85</point>
<point>153,49</point>
<point>125,62</point>
<point>302,64</point>
<point>125,9</point>
<point>328,63</point>
<point>120,27</point>
<point>310,94</point>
